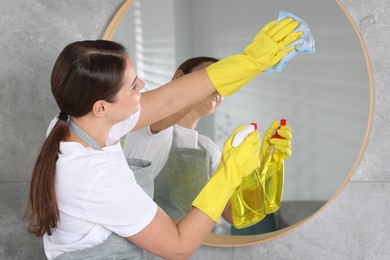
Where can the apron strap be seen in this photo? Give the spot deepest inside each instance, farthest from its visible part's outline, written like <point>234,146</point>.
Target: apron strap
<point>80,133</point>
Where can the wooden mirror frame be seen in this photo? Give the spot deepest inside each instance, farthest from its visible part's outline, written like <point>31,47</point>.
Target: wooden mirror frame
<point>219,240</point>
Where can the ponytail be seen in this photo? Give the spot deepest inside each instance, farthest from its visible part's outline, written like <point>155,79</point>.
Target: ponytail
<point>42,210</point>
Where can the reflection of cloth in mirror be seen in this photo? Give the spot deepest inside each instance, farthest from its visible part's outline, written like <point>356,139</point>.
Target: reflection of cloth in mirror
<point>305,43</point>
<point>184,174</point>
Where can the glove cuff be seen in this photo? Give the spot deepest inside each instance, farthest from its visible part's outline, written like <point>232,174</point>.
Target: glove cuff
<point>213,198</point>
<point>230,74</point>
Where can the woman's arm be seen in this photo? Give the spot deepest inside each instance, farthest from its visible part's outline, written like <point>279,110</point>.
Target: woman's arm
<point>174,96</point>
<point>225,76</point>
<point>166,239</point>
<point>178,241</point>
<point>175,118</point>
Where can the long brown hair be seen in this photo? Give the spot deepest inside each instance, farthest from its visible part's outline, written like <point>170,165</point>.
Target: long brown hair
<point>189,64</point>
<point>84,72</point>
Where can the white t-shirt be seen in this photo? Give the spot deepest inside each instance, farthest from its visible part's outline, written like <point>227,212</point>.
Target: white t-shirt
<point>97,194</point>
<point>142,144</point>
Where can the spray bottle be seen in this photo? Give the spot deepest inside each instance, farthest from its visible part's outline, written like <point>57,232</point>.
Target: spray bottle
<point>273,176</point>
<point>247,201</point>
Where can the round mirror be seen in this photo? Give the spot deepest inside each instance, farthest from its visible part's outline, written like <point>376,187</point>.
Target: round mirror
<point>326,97</point>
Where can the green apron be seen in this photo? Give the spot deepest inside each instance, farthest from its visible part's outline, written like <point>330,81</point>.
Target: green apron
<point>184,175</point>
<point>143,174</point>
<point>114,247</point>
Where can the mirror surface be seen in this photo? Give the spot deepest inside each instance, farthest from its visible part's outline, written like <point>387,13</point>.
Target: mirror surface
<point>324,96</point>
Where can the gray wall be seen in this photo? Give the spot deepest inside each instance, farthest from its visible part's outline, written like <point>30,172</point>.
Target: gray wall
<point>353,226</point>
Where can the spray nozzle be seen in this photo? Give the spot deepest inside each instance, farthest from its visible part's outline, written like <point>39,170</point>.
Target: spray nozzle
<point>282,123</point>
<point>240,135</point>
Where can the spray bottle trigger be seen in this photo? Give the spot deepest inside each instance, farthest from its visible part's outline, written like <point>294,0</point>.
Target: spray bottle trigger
<point>240,135</point>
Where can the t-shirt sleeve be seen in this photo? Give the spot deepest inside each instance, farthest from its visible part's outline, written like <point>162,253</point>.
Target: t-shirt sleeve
<point>118,203</point>
<point>122,128</point>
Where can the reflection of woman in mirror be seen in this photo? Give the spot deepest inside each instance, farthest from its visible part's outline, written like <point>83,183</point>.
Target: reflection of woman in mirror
<point>182,159</point>
<point>84,199</point>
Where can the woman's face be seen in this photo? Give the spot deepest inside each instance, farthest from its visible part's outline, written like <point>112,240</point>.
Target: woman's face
<point>208,107</point>
<point>128,97</point>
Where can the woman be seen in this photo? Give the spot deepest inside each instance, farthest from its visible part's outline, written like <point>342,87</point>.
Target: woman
<point>83,197</point>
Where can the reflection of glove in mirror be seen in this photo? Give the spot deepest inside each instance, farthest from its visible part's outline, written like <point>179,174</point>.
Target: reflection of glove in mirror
<point>266,50</point>
<point>305,43</point>
<point>235,162</point>
<point>283,145</point>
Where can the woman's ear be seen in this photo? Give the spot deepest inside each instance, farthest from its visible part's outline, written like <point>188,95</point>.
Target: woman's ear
<point>99,108</point>
<point>178,74</point>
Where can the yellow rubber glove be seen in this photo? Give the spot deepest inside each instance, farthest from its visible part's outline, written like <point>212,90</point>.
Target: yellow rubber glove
<point>236,163</point>
<point>267,49</point>
<point>281,144</point>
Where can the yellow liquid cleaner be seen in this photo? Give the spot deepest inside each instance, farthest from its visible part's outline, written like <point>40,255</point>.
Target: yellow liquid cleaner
<point>248,202</point>
<point>273,176</point>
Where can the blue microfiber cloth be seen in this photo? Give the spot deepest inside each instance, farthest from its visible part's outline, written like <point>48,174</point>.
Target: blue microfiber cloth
<point>305,44</point>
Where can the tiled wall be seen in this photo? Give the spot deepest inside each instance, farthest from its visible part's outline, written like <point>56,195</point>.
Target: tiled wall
<point>353,226</point>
